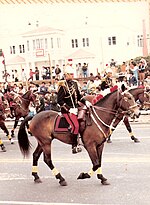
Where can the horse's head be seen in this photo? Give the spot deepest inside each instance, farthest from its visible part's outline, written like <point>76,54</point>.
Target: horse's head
<point>128,104</point>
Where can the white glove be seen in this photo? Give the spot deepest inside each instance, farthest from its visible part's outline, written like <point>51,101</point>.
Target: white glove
<point>73,111</point>
<point>88,104</point>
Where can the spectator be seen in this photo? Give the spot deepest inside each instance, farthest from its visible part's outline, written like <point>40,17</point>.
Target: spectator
<point>36,73</point>
<point>16,76</point>
<point>79,70</point>
<point>84,70</point>
<point>44,70</point>
<point>132,80</point>
<point>97,80</point>
<point>134,70</point>
<point>57,71</point>
<point>31,73</point>
<point>23,75</point>
<point>43,88</point>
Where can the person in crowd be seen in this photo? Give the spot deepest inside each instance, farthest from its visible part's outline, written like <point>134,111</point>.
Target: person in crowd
<point>43,88</point>
<point>43,73</point>
<point>67,97</point>
<point>85,70</point>
<point>16,76</point>
<point>23,75</point>
<point>57,71</point>
<point>97,80</point>
<point>31,74</point>
<point>36,73</point>
<point>132,80</point>
<point>79,70</point>
<point>134,70</point>
<point>141,69</point>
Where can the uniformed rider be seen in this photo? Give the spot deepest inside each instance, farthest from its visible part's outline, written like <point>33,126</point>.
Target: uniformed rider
<point>67,97</point>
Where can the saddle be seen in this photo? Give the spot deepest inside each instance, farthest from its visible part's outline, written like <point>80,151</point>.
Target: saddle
<point>61,125</point>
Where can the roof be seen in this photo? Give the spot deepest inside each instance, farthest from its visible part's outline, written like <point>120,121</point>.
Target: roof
<point>41,30</point>
<point>15,60</point>
<point>80,54</point>
<point>3,2</point>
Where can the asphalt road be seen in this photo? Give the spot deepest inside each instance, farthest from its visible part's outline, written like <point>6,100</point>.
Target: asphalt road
<point>125,164</point>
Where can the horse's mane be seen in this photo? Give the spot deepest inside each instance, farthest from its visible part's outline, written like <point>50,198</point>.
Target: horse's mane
<point>26,94</point>
<point>100,101</point>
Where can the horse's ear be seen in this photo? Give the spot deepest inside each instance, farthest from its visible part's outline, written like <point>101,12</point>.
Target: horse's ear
<point>123,88</point>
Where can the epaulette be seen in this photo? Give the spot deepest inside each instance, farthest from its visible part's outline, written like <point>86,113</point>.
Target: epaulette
<point>61,83</point>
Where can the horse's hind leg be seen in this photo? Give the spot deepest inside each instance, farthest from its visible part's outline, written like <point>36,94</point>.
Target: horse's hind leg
<point>15,125</point>
<point>48,161</point>
<point>36,156</point>
<point>127,124</point>
<point>2,145</point>
<point>4,128</point>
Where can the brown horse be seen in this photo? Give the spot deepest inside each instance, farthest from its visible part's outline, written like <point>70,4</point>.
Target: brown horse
<point>21,107</point>
<point>93,136</point>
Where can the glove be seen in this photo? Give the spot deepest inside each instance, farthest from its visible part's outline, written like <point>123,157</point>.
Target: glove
<point>73,111</point>
<point>88,104</point>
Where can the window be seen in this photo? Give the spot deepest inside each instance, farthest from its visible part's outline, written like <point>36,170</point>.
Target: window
<point>52,43</point>
<point>112,40</point>
<point>41,43</point>
<point>46,43</point>
<point>34,47</point>
<point>85,42</point>
<point>10,50</point>
<point>13,50</point>
<point>140,40</point>
<point>21,49</point>
<point>58,43</point>
<point>72,41</point>
<point>37,43</point>
<point>76,43</point>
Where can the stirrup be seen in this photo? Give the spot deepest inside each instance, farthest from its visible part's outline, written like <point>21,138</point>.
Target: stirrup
<point>76,149</point>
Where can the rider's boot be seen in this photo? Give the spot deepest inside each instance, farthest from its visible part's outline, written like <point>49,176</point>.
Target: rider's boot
<point>75,146</point>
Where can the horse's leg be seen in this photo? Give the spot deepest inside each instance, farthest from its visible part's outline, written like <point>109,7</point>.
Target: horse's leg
<point>99,170</point>
<point>15,125</point>
<point>36,156</point>
<point>2,145</point>
<point>48,161</point>
<point>127,124</point>
<point>4,128</point>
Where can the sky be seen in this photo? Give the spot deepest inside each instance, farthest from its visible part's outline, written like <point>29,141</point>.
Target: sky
<point>14,19</point>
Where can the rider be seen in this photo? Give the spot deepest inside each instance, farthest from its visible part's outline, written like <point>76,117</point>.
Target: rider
<point>67,97</point>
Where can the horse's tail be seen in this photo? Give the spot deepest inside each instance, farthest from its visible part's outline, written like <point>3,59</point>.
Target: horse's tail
<point>23,140</point>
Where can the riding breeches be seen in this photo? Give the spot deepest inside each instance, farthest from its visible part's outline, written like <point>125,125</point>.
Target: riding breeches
<point>73,122</point>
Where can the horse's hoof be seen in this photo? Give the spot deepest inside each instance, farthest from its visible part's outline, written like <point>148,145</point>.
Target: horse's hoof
<point>63,183</point>
<point>3,148</point>
<point>109,141</point>
<point>12,141</point>
<point>37,181</point>
<point>84,176</point>
<point>136,140</point>
<point>105,182</point>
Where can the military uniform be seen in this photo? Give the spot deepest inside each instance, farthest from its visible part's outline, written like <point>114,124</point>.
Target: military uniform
<point>67,97</point>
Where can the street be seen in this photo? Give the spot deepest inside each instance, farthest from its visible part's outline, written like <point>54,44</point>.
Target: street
<point>126,165</point>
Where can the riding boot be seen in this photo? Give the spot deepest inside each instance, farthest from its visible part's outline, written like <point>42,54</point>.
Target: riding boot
<point>75,147</point>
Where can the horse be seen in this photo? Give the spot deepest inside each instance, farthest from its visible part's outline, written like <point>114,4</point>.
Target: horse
<point>21,106</point>
<point>42,127</point>
<point>139,95</point>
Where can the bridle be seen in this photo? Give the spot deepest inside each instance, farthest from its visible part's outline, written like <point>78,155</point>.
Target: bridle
<point>97,119</point>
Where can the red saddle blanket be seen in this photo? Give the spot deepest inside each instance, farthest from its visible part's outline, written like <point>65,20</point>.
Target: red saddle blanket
<point>61,124</point>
